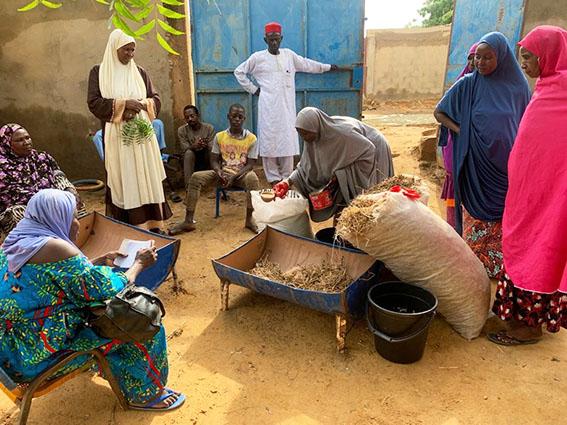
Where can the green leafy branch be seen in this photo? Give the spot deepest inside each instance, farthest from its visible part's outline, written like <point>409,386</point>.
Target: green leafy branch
<point>137,131</point>
<point>131,16</point>
<point>33,4</point>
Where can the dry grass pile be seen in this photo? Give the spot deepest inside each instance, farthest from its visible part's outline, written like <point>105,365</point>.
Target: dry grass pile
<point>403,180</point>
<point>356,218</point>
<point>328,276</point>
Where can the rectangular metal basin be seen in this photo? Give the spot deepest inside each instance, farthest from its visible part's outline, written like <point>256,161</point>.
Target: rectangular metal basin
<point>99,234</point>
<point>289,251</point>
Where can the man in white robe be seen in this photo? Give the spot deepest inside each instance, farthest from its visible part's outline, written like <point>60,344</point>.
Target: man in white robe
<point>274,73</point>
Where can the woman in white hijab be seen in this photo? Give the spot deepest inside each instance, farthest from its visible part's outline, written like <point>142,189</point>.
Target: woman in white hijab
<point>120,91</point>
<point>341,157</point>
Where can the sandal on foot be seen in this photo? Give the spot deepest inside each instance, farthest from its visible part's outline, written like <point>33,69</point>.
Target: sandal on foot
<point>179,229</point>
<point>175,197</point>
<point>502,338</point>
<point>168,392</point>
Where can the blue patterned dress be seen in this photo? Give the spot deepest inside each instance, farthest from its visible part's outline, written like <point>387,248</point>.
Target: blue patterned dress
<point>42,314</point>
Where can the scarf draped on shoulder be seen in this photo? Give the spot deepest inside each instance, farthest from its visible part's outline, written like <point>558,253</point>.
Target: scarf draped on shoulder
<point>535,216</point>
<point>358,155</point>
<point>49,215</point>
<point>488,109</point>
<point>21,177</point>
<point>134,171</point>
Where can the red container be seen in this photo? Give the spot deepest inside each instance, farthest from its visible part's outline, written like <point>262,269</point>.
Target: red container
<point>321,200</point>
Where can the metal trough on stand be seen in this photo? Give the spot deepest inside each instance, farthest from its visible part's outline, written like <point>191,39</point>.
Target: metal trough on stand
<point>289,251</point>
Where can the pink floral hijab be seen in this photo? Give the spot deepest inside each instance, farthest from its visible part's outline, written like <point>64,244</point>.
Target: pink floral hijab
<point>22,177</point>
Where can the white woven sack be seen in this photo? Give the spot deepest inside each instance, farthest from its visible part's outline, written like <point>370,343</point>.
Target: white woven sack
<point>289,214</point>
<point>420,248</point>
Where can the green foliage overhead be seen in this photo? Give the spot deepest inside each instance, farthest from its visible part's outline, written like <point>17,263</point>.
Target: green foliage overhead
<point>136,18</point>
<point>436,12</point>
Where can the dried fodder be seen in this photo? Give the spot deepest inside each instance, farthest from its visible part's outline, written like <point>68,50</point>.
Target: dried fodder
<point>409,182</point>
<point>356,218</point>
<point>327,276</point>
<point>268,270</point>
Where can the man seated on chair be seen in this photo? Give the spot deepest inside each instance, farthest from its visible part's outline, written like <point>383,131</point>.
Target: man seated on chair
<point>195,139</point>
<point>229,169</point>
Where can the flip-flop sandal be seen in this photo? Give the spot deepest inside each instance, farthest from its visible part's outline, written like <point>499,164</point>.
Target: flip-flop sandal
<point>174,231</point>
<point>158,231</point>
<point>502,338</point>
<point>167,393</point>
<point>175,197</point>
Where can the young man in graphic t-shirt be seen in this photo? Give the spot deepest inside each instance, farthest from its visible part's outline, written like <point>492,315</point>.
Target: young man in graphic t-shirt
<point>233,154</point>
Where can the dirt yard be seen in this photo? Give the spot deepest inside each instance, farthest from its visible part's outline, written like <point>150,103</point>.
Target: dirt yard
<point>267,361</point>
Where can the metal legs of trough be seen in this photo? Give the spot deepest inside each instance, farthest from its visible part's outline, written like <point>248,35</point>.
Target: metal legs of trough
<point>341,320</point>
<point>341,324</point>
<point>224,294</point>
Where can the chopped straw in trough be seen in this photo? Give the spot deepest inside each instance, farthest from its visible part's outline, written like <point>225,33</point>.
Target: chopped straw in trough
<point>325,277</point>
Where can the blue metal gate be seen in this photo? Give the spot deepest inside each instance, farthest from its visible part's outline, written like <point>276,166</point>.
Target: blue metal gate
<point>225,33</point>
<point>474,18</point>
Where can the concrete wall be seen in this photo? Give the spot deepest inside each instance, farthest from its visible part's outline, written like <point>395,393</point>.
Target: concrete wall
<point>543,12</point>
<point>45,58</point>
<point>405,64</point>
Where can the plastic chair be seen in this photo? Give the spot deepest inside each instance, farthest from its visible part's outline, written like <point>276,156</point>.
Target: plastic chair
<point>22,394</point>
<point>221,191</point>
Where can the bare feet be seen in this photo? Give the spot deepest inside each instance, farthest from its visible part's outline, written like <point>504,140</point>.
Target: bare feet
<point>181,227</point>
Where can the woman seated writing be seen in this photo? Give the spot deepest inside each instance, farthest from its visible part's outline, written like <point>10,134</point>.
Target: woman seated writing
<point>47,287</point>
<point>341,157</point>
<point>24,171</point>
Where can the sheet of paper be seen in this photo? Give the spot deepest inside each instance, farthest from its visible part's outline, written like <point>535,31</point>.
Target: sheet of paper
<point>130,247</point>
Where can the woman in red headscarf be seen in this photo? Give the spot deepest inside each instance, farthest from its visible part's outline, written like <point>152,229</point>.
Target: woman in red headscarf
<point>533,291</point>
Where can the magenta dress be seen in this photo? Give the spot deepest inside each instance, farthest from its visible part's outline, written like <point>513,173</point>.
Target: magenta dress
<point>534,287</point>
<point>448,190</point>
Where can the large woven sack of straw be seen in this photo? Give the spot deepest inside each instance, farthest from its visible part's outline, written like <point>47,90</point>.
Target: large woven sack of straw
<point>420,248</point>
<point>288,214</point>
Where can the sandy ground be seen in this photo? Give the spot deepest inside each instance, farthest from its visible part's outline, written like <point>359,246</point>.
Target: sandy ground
<point>267,361</point>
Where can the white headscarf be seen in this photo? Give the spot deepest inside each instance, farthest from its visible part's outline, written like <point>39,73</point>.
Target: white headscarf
<point>135,172</point>
<point>116,80</point>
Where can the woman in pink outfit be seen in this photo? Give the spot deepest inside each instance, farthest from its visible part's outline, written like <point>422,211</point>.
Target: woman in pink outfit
<point>533,290</point>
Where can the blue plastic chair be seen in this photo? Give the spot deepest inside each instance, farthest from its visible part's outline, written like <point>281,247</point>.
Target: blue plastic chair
<point>221,191</point>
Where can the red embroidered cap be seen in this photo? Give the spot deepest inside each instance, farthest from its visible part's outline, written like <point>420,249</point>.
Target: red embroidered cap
<point>273,27</point>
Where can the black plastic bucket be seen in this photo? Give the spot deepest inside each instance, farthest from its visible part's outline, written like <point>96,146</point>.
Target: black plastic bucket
<point>399,315</point>
<point>328,234</point>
